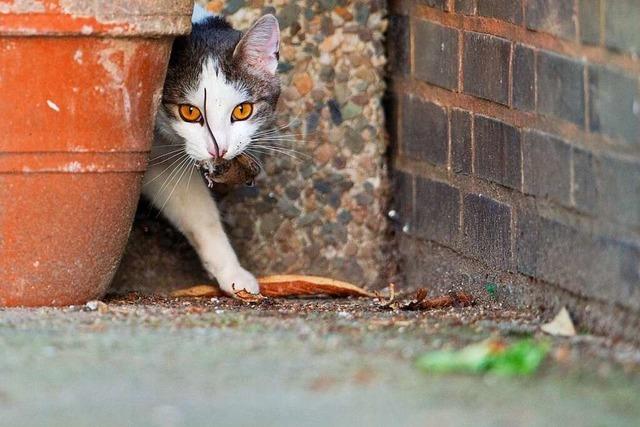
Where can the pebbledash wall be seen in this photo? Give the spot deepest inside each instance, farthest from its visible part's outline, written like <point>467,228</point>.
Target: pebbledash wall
<point>516,152</point>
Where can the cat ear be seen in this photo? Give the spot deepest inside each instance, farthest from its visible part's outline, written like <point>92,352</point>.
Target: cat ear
<point>260,46</point>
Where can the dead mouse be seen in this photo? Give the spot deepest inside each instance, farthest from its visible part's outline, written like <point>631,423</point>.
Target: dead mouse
<point>242,169</point>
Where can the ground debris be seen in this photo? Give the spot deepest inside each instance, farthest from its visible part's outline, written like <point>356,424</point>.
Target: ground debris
<point>390,299</point>
<point>422,302</point>
<point>489,356</point>
<point>247,296</point>
<point>561,325</point>
<point>95,305</point>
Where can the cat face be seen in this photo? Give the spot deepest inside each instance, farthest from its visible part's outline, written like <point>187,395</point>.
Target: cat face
<point>221,87</point>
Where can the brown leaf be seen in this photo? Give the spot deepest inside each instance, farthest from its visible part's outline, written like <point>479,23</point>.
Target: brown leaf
<point>244,295</point>
<point>390,300</point>
<point>453,299</point>
<point>198,291</point>
<point>291,285</point>
<point>299,285</point>
<point>414,304</point>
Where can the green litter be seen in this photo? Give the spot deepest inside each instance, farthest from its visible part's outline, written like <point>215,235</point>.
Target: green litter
<point>491,288</point>
<point>490,356</point>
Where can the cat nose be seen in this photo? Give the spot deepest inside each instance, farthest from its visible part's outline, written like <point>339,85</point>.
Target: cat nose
<point>214,154</point>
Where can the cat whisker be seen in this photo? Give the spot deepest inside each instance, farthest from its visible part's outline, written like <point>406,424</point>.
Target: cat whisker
<point>274,152</point>
<point>167,159</point>
<point>160,156</point>
<point>277,133</point>
<point>282,149</point>
<point>164,150</point>
<point>285,126</point>
<point>183,169</point>
<point>171,176</point>
<point>254,158</point>
<point>279,136</point>
<point>166,169</point>
<point>280,140</point>
<point>189,182</point>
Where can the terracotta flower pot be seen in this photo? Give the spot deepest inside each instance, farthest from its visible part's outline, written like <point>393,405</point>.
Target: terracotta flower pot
<point>79,86</point>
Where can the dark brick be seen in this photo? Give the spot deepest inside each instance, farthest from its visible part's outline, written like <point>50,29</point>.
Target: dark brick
<point>425,130</point>
<point>403,198</point>
<point>487,230</point>
<point>590,21</point>
<point>486,67</point>
<point>437,211</point>
<point>546,166</point>
<point>614,103</point>
<point>560,87</point>
<point>524,64</point>
<point>436,54</point>
<point>461,141</point>
<point>507,10</point>
<point>391,108</point>
<point>398,7</point>
<point>619,190</point>
<point>551,16</point>
<point>465,7</point>
<point>621,24</point>
<point>575,260</point>
<point>497,147</point>
<point>585,190</point>
<point>398,46</point>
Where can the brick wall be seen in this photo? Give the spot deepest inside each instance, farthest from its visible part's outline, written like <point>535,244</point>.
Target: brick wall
<point>515,129</point>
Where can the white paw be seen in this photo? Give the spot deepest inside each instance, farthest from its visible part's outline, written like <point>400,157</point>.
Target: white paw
<point>237,279</point>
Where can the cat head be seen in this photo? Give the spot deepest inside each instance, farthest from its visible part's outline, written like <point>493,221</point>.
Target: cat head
<point>221,87</point>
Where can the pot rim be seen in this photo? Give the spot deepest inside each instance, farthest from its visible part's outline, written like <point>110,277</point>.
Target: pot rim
<point>117,18</point>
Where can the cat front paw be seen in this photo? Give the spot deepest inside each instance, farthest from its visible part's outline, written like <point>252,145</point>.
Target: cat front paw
<point>237,279</point>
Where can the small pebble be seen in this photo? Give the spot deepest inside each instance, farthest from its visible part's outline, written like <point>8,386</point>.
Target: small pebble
<point>96,305</point>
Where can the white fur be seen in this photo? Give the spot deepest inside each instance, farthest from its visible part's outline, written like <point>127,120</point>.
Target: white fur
<point>186,202</point>
<point>222,97</point>
<point>199,14</point>
<point>179,192</point>
<point>173,185</point>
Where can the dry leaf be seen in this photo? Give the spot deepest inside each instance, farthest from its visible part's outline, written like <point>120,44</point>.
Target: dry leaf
<point>198,291</point>
<point>453,299</point>
<point>561,325</point>
<point>390,299</point>
<point>244,295</point>
<point>299,285</point>
<point>282,286</point>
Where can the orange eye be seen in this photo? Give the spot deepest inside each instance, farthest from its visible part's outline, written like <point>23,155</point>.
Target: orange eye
<point>189,113</point>
<point>242,111</point>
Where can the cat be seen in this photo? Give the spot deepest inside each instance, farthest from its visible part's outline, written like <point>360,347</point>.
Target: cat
<point>221,91</point>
